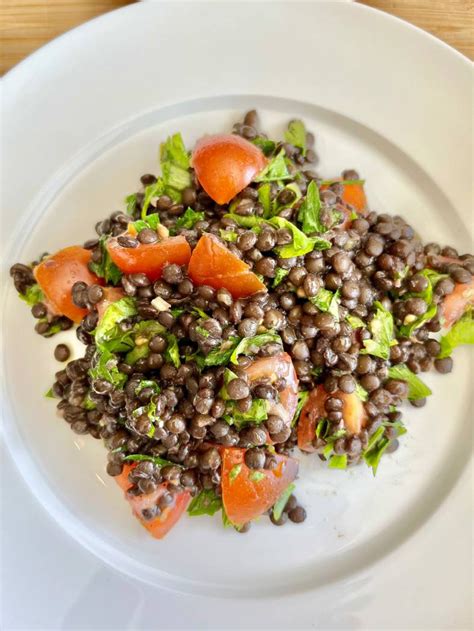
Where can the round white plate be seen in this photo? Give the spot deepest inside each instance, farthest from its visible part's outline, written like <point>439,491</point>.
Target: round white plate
<point>84,117</point>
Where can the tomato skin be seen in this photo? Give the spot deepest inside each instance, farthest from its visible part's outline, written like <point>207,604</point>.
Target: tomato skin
<point>159,526</point>
<point>353,411</point>
<point>225,164</point>
<point>277,367</point>
<point>214,265</point>
<point>150,258</point>
<point>455,304</point>
<point>57,274</point>
<point>245,499</point>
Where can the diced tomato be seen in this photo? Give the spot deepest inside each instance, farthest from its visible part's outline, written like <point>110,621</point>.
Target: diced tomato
<point>269,369</point>
<point>111,295</point>
<point>159,526</point>
<point>354,195</point>
<point>245,493</point>
<point>455,304</point>
<point>213,264</point>
<point>225,164</point>
<point>57,274</point>
<point>150,258</point>
<point>353,413</point>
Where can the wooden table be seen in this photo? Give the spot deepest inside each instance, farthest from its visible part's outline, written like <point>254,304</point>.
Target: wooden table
<point>28,24</point>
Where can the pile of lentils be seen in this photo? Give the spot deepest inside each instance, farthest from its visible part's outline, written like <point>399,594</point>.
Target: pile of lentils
<point>378,258</point>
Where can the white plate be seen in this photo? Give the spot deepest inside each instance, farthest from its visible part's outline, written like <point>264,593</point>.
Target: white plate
<point>84,119</point>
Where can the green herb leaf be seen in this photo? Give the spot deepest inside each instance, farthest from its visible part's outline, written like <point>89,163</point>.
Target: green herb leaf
<point>338,462</point>
<point>280,275</point>
<point>416,388</point>
<point>88,403</point>
<point>293,188</point>
<point>411,324</point>
<point>175,177</point>
<point>174,151</point>
<point>281,501</point>
<point>322,428</point>
<point>152,190</point>
<point>105,367</point>
<point>108,332</point>
<point>160,462</point>
<point>355,322</point>
<point>189,219</point>
<point>234,472</point>
<point>310,211</point>
<point>206,503</point>
<point>228,235</point>
<point>32,295</point>
<point>106,269</point>
<point>49,394</point>
<point>381,327</point>
<point>226,521</point>
<point>327,301</point>
<point>257,413</point>
<point>147,383</point>
<point>275,170</point>
<point>303,396</point>
<point>251,221</point>
<point>256,476</point>
<point>266,145</point>
<point>343,182</point>
<point>296,135</point>
<point>250,345</point>
<point>301,243</point>
<point>219,356</point>
<point>172,350</point>
<point>131,201</point>
<point>150,221</point>
<point>264,197</point>
<point>361,392</point>
<point>462,332</point>
<point>372,456</point>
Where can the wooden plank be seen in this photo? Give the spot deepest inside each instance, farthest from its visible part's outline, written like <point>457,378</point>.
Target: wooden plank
<point>28,24</point>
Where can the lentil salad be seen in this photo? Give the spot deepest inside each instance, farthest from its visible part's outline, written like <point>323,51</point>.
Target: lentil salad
<point>244,311</point>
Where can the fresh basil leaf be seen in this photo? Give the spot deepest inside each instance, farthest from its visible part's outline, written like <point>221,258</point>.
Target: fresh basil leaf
<point>301,243</point>
<point>105,367</point>
<point>281,502</point>
<point>189,219</point>
<point>256,476</point>
<point>296,135</point>
<point>108,332</point>
<point>250,345</point>
<point>257,413</point>
<point>381,327</point>
<point>372,456</point>
<point>250,221</point>
<point>106,269</point>
<point>131,201</point>
<point>32,295</point>
<point>160,462</point>
<point>49,394</point>
<point>152,190</point>
<point>175,177</point>
<point>206,503</point>
<point>138,352</point>
<point>416,388</point>
<point>280,275</point>
<point>361,392</point>
<point>275,170</point>
<point>266,145</point>
<point>303,396</point>
<point>355,322</point>
<point>234,472</point>
<point>462,332</point>
<point>172,350</point>
<point>309,214</point>
<point>338,462</point>
<point>264,197</point>
<point>327,301</point>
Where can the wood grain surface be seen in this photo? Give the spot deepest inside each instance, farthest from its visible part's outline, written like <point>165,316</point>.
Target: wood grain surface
<point>25,25</point>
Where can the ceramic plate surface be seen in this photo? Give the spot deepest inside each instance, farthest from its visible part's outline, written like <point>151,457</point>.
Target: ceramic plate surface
<point>84,117</point>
